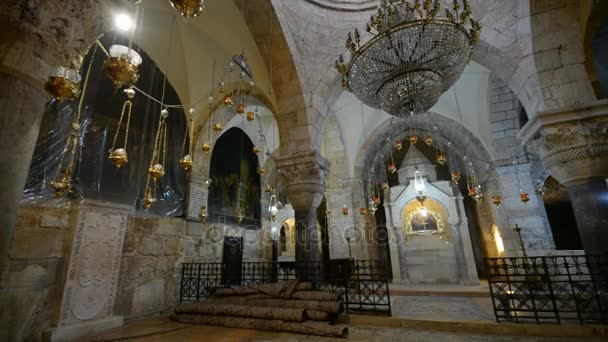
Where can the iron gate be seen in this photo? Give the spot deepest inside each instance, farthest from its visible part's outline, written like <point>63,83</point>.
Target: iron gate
<point>362,284</point>
<point>549,289</point>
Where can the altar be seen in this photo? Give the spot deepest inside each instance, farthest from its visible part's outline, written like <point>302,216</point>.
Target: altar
<point>429,241</point>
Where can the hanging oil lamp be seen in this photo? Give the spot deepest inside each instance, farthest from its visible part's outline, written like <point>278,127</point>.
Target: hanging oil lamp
<point>413,139</point>
<point>363,211</point>
<point>273,210</point>
<point>261,171</point>
<point>188,8</point>
<point>202,214</point>
<point>156,169</point>
<point>456,176</point>
<point>441,158</point>
<point>149,199</point>
<point>391,167</point>
<point>218,128</point>
<point>472,192</point>
<point>496,199</point>
<point>385,186</point>
<point>428,140</point>
<point>372,207</point>
<point>267,188</point>
<point>376,199</point>
<point>63,184</point>
<point>524,197</point>
<point>540,188</point>
<point>420,187</point>
<point>479,196</point>
<point>240,108</point>
<point>186,161</point>
<point>121,65</point>
<point>206,148</point>
<point>398,145</point>
<point>256,150</point>
<point>240,216</point>
<point>118,156</point>
<point>345,210</point>
<point>63,84</point>
<point>228,101</point>
<point>250,116</point>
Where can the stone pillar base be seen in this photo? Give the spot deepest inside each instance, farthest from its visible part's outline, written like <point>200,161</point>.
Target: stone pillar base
<point>87,329</point>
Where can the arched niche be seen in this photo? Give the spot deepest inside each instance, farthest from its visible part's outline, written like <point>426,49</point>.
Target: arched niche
<point>264,125</point>
<point>430,258</point>
<point>235,183</point>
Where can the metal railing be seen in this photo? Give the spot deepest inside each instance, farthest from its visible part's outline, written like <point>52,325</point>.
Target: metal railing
<point>549,289</point>
<point>362,284</point>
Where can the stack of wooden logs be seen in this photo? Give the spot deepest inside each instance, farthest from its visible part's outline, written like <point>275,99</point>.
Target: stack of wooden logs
<point>289,306</point>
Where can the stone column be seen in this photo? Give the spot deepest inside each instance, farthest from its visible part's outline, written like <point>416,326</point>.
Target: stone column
<point>573,146</point>
<point>304,176</point>
<point>37,36</point>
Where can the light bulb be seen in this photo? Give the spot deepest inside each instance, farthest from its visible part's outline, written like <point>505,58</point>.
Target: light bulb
<point>123,22</point>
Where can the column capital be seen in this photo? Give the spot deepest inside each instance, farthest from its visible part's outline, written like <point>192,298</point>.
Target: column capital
<point>304,174</point>
<point>572,143</point>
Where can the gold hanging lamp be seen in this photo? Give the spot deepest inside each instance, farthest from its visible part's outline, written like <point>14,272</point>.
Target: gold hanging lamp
<point>122,65</point>
<point>64,184</point>
<point>186,161</point>
<point>188,8</point>
<point>118,156</point>
<point>63,84</point>
<point>157,169</point>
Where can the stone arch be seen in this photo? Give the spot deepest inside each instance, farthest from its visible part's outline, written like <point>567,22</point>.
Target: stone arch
<point>205,134</point>
<point>292,118</point>
<point>521,44</point>
<point>450,130</point>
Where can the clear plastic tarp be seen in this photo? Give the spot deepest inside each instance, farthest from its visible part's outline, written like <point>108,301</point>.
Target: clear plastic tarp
<point>94,175</point>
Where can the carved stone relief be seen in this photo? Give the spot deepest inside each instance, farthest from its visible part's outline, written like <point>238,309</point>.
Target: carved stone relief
<point>94,263</point>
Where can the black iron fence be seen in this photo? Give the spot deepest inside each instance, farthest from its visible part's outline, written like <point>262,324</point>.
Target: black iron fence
<point>549,289</point>
<point>362,284</point>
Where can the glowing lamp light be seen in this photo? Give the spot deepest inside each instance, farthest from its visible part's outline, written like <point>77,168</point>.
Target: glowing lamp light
<point>424,212</point>
<point>419,187</point>
<point>500,247</point>
<point>123,22</point>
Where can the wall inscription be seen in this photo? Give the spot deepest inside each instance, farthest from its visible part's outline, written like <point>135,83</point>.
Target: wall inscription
<point>94,265</point>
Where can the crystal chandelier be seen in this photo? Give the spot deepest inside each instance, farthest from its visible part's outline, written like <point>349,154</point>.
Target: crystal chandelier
<point>413,56</point>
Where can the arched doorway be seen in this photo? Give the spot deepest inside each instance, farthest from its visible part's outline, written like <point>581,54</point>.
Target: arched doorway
<point>235,182</point>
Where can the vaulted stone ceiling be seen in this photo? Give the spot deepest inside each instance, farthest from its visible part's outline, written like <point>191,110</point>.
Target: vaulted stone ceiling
<point>535,46</point>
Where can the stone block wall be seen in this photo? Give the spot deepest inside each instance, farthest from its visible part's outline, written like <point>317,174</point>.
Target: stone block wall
<point>339,191</point>
<point>30,291</point>
<point>148,282</point>
<point>531,216</point>
<point>504,121</point>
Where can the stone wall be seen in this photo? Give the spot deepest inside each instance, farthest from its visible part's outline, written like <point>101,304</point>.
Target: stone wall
<point>504,121</point>
<point>205,242</point>
<point>530,216</point>
<point>340,191</point>
<point>29,292</point>
<point>148,282</point>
